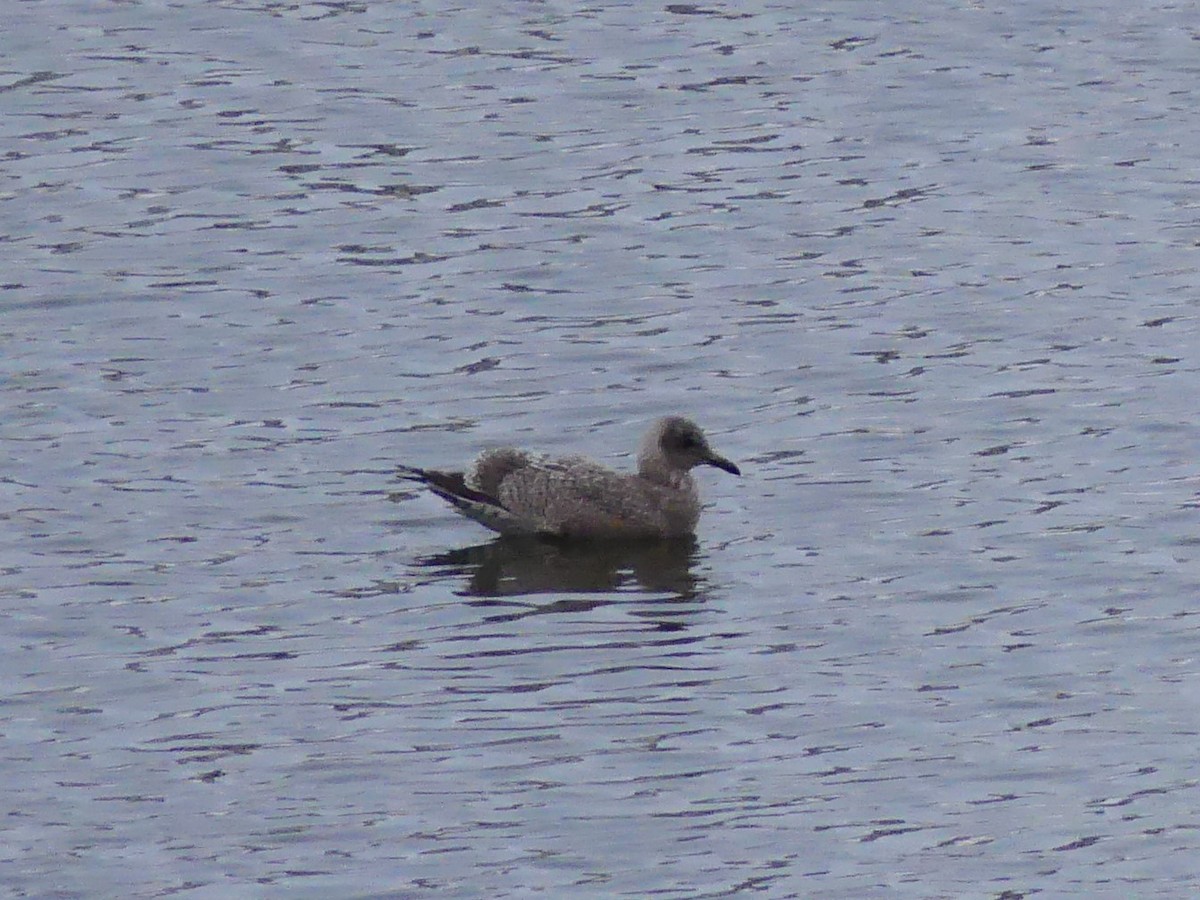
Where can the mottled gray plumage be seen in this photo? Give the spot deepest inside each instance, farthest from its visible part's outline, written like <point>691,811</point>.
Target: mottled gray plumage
<point>516,492</point>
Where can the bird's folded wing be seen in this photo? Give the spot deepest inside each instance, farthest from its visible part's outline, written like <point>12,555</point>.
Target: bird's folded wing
<point>574,496</point>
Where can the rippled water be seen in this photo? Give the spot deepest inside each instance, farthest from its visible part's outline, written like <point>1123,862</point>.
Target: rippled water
<point>927,273</point>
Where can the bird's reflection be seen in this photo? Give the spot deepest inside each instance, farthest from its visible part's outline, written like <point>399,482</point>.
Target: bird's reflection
<point>522,566</point>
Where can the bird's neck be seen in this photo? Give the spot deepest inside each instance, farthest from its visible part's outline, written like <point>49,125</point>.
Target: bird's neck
<point>655,469</point>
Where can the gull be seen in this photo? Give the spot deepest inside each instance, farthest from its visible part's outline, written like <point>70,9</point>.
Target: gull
<point>517,492</point>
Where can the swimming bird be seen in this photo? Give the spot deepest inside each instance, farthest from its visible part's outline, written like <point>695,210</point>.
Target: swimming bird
<point>517,492</point>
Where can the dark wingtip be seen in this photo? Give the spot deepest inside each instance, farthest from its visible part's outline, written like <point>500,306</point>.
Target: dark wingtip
<point>450,485</point>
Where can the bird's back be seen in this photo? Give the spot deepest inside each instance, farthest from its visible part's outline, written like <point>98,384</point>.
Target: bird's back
<point>575,497</point>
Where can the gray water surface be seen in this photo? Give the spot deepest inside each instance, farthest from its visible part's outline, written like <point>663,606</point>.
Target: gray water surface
<point>927,272</point>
